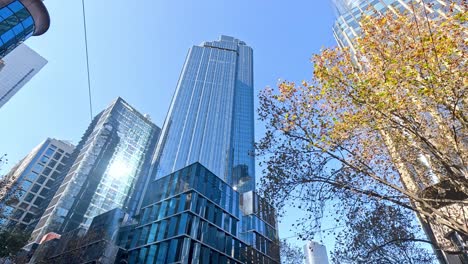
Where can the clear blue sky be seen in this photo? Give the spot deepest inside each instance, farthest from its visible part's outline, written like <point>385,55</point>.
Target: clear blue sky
<point>137,49</point>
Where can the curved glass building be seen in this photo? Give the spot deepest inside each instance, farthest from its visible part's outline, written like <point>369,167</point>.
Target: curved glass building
<point>20,19</point>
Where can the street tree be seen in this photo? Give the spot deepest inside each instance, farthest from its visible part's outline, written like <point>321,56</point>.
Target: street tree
<point>385,122</point>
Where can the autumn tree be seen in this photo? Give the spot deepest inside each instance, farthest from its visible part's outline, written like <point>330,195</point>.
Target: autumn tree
<point>386,122</point>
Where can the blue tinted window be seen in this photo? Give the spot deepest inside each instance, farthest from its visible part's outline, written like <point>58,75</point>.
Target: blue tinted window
<point>28,22</point>
<point>49,152</point>
<point>162,230</point>
<point>162,253</point>
<point>152,254</point>
<point>8,36</point>
<point>152,234</point>
<point>25,185</point>
<point>5,12</point>
<point>141,258</point>
<point>32,176</point>
<point>15,6</point>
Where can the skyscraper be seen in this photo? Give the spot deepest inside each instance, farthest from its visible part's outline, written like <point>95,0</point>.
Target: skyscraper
<point>346,30</point>
<point>31,181</point>
<point>19,20</point>
<point>105,171</point>
<point>211,119</point>
<point>349,13</point>
<point>18,68</point>
<point>201,206</point>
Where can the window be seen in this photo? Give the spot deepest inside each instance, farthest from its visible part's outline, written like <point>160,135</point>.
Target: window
<point>55,175</point>
<point>44,192</point>
<point>142,256</point>
<point>17,214</point>
<point>60,167</point>
<point>152,234</point>
<point>152,254</point>
<point>41,179</point>
<point>52,163</point>
<point>28,217</point>
<point>49,183</point>
<point>29,197</point>
<point>49,152</point>
<point>172,226</point>
<point>47,171</point>
<point>25,185</point>
<point>44,159</point>
<point>162,230</point>
<point>38,201</point>
<point>38,168</point>
<point>162,253</point>
<point>15,6</point>
<point>174,250</point>
<point>57,156</point>
<point>35,188</point>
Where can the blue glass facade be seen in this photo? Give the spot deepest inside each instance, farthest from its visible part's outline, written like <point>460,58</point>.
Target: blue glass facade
<point>211,118</point>
<point>16,25</point>
<point>192,216</point>
<point>105,174</point>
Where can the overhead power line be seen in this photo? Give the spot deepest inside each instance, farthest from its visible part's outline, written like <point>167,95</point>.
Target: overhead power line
<point>87,60</point>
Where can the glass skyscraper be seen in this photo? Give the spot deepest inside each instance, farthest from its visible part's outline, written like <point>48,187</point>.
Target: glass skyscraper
<point>211,119</point>
<point>193,216</point>
<point>105,170</point>
<point>20,19</point>
<point>31,181</point>
<point>201,206</point>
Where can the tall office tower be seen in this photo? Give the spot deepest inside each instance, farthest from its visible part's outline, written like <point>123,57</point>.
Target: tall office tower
<point>31,181</point>
<point>315,253</point>
<point>346,30</point>
<point>19,20</point>
<point>211,119</point>
<point>105,170</point>
<point>202,207</point>
<point>18,68</point>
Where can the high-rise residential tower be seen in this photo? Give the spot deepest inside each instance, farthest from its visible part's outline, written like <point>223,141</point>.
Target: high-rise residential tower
<point>346,29</point>
<point>30,183</point>
<point>105,170</point>
<point>211,119</point>
<point>19,20</point>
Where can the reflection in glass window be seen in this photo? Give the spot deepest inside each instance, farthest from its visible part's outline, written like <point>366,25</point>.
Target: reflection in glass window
<point>32,176</point>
